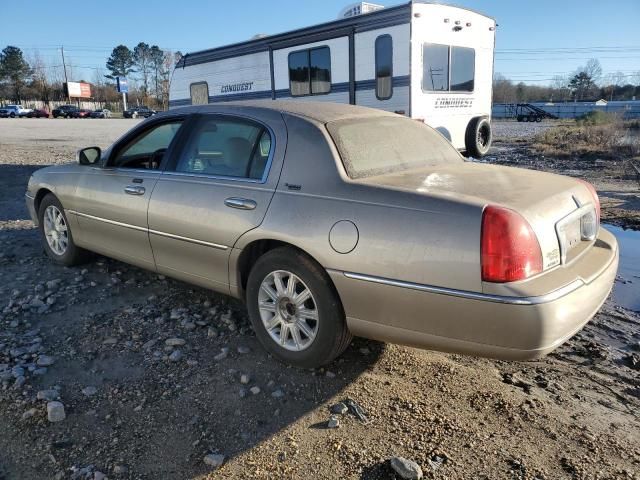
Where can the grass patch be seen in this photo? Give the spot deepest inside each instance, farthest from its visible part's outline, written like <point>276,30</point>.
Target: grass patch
<point>596,118</point>
<point>599,135</point>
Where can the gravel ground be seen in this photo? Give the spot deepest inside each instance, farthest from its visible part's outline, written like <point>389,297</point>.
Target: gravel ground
<point>111,370</point>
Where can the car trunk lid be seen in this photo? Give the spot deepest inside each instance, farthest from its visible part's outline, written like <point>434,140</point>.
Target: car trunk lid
<point>558,208</point>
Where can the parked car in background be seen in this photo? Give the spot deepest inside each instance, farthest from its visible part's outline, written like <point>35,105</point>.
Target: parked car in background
<point>64,111</point>
<point>334,220</point>
<point>14,111</point>
<point>80,113</point>
<point>141,111</point>
<point>38,113</point>
<point>101,113</point>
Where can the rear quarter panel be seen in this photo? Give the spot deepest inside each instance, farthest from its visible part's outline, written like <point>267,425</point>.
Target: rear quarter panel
<point>402,236</point>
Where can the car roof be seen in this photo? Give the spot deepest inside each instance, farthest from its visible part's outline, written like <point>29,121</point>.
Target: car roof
<point>323,112</point>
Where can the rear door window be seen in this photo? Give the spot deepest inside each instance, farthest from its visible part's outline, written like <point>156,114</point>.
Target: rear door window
<point>225,146</point>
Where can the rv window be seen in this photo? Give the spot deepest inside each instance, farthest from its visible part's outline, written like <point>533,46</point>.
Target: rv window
<point>384,67</point>
<point>320,62</point>
<point>435,59</point>
<point>463,66</point>
<point>228,147</point>
<point>299,73</point>
<point>199,93</point>
<point>310,72</point>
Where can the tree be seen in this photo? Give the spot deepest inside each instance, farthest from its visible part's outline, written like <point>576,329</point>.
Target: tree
<point>593,69</point>
<point>559,88</point>
<point>143,60</point>
<point>120,63</point>
<point>40,79</point>
<point>503,89</point>
<point>581,85</point>
<point>157,64</point>
<point>15,69</point>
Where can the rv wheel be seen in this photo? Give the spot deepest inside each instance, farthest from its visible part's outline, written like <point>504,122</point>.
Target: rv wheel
<point>478,137</point>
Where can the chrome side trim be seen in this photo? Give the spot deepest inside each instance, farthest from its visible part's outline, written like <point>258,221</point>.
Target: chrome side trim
<point>549,297</point>
<point>147,230</point>
<point>29,196</point>
<point>190,240</point>
<point>110,222</point>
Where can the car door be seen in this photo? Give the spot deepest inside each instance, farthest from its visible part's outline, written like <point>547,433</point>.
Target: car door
<point>216,189</point>
<point>113,199</point>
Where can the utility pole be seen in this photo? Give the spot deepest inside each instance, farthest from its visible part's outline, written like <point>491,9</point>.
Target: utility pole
<point>64,66</point>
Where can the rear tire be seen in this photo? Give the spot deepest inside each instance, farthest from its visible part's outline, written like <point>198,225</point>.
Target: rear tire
<point>55,232</point>
<point>311,308</point>
<point>478,137</point>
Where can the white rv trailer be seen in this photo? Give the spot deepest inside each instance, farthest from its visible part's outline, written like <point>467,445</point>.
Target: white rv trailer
<point>431,62</point>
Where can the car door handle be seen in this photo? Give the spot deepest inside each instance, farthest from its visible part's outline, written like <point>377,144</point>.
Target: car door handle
<point>134,190</point>
<point>241,203</point>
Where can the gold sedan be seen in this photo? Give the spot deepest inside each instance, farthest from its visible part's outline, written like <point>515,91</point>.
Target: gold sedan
<point>333,220</point>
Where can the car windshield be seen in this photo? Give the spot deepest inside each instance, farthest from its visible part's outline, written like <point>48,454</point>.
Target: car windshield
<point>389,144</point>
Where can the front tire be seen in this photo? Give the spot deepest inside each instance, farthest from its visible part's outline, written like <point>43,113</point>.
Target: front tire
<point>295,310</point>
<point>55,232</point>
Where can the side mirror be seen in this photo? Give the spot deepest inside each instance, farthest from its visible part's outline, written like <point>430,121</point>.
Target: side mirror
<point>88,156</point>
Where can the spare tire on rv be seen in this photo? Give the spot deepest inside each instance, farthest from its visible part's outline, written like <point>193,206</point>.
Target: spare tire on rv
<point>478,137</point>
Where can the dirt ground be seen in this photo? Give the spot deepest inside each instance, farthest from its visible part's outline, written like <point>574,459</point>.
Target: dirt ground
<point>95,339</point>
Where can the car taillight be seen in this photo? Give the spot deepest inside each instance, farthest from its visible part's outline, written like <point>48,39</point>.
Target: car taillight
<point>509,249</point>
<point>594,195</point>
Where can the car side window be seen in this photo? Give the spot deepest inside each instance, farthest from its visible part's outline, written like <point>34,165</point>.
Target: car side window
<point>226,147</point>
<point>147,150</point>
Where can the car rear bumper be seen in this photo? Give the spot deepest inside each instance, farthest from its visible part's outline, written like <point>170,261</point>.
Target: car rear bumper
<point>505,327</point>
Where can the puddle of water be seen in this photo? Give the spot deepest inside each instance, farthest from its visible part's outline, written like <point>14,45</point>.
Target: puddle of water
<point>626,290</point>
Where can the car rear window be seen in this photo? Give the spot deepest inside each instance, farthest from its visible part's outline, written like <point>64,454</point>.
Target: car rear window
<point>379,145</point>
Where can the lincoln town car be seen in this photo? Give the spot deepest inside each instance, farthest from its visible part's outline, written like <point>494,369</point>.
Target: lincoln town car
<point>330,221</point>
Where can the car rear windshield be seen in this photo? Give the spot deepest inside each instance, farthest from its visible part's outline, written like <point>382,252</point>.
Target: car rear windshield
<point>380,145</point>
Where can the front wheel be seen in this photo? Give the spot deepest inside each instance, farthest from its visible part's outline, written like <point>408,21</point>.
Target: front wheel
<point>295,310</point>
<point>55,232</point>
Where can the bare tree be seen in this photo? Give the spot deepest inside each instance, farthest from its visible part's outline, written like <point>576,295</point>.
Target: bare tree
<point>593,69</point>
<point>40,79</point>
<point>559,88</point>
<point>142,57</point>
<point>503,89</point>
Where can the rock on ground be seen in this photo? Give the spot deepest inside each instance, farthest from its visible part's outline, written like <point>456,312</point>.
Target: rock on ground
<point>214,460</point>
<point>407,469</point>
<point>55,412</point>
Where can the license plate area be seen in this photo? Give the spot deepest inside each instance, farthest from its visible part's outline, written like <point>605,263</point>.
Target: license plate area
<point>575,230</point>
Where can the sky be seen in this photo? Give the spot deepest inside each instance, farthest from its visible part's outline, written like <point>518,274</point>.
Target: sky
<point>536,40</point>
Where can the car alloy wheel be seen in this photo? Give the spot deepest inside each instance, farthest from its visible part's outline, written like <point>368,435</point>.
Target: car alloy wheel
<point>288,310</point>
<point>55,230</point>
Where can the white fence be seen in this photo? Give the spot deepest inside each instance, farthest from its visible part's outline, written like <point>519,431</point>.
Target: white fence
<point>627,110</point>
